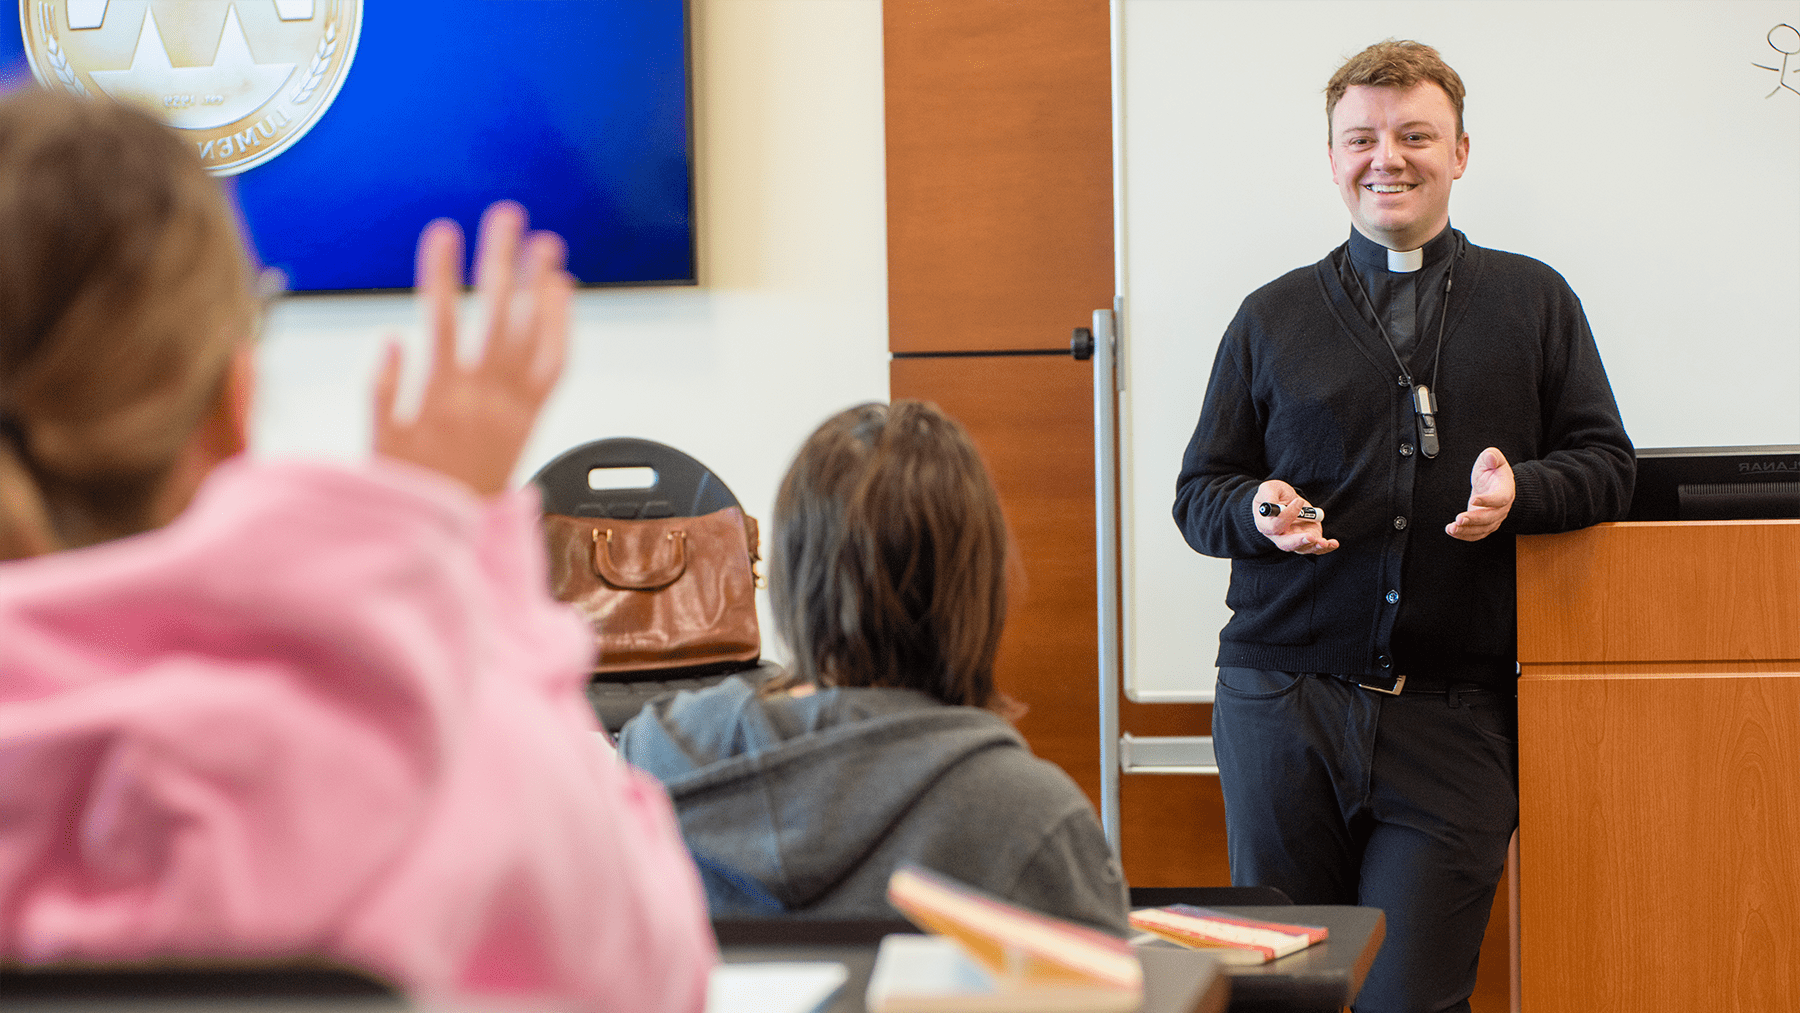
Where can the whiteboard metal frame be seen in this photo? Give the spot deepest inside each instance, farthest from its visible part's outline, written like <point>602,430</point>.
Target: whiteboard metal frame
<point>1106,559</point>
<point>1167,754</point>
<point>1127,754</point>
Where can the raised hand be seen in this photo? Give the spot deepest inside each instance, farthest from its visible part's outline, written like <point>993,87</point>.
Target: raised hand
<point>474,417</point>
<point>1491,492</point>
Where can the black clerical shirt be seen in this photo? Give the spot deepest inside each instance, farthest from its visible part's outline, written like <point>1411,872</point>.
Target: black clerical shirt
<point>1408,304</point>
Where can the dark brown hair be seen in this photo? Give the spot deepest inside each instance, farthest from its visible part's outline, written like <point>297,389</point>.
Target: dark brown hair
<point>888,566</point>
<point>1395,63</point>
<point>124,289</point>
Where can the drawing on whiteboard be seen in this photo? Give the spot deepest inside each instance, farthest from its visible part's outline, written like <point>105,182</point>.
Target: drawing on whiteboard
<point>1789,35</point>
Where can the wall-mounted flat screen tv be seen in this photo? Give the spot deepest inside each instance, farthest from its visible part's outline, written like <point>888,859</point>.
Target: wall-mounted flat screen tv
<point>343,126</point>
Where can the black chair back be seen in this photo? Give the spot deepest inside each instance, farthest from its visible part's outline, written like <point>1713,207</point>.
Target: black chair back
<point>677,486</point>
<point>680,486</point>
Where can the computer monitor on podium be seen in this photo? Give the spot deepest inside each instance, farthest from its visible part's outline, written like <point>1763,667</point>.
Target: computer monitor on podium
<point>1716,483</point>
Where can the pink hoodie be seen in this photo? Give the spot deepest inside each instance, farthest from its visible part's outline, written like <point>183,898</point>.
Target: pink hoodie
<point>331,712</point>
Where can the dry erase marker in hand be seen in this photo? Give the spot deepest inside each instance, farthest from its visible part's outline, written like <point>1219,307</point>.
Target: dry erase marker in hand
<point>1307,513</point>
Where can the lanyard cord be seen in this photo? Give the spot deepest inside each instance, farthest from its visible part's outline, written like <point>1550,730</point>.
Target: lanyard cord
<point>1423,398</point>
<point>1437,354</point>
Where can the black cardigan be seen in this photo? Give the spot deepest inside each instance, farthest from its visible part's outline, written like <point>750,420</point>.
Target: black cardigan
<point>1303,389</point>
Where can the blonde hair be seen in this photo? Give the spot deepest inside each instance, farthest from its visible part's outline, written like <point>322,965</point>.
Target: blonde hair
<point>124,290</point>
<point>888,565</point>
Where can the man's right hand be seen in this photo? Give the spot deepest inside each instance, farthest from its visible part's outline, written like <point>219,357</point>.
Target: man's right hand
<point>1287,529</point>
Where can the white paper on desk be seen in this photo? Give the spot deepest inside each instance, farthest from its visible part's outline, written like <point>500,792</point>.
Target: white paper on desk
<point>773,986</point>
<point>911,965</point>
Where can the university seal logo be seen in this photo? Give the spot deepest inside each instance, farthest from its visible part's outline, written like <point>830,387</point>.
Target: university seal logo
<point>243,79</point>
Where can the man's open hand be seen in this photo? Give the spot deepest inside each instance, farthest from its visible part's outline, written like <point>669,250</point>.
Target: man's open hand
<point>1490,498</point>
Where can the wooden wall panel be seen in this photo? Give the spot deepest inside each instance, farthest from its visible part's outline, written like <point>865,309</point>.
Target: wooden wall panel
<point>999,152</point>
<point>1030,418</point>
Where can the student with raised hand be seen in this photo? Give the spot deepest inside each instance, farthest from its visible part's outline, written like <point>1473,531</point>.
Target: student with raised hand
<point>277,710</point>
<point>886,742</point>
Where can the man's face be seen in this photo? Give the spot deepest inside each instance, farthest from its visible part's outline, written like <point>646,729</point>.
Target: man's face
<point>1394,153</point>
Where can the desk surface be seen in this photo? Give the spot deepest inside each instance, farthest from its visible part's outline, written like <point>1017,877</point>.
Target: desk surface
<point>1325,977</point>
<point>1191,983</point>
<point>1322,977</point>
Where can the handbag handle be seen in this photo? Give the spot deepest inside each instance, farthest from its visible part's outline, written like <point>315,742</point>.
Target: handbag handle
<point>652,576</point>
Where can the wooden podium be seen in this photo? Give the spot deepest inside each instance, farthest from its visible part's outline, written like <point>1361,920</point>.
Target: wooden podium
<point>1659,767</point>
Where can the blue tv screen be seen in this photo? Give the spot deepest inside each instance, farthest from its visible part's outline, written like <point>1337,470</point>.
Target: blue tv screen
<point>342,126</point>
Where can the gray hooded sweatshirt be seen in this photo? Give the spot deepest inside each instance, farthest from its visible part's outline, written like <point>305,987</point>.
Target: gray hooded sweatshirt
<point>806,804</point>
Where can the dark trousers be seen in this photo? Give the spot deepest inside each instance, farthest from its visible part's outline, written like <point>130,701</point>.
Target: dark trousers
<point>1339,795</point>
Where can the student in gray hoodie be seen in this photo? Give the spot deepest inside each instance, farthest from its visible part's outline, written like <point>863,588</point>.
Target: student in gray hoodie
<point>886,742</point>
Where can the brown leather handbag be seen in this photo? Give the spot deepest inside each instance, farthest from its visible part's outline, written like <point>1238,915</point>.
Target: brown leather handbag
<point>664,593</point>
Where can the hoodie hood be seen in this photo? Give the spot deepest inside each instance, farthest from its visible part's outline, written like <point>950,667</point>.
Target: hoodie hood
<point>799,791</point>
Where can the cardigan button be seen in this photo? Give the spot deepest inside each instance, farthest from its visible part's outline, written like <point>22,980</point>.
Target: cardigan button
<point>1399,524</point>
<point>1406,450</point>
<point>1384,661</point>
<point>1392,597</point>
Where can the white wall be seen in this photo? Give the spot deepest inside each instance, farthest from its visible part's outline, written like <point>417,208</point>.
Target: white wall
<point>788,324</point>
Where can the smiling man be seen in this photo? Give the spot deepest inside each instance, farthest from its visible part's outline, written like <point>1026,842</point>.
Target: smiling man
<point>1430,399</point>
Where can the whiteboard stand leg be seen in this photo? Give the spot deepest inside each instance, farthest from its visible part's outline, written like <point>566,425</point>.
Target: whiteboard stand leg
<point>1109,379</point>
<point>1106,552</point>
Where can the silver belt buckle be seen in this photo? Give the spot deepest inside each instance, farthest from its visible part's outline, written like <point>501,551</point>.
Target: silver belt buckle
<point>1399,684</point>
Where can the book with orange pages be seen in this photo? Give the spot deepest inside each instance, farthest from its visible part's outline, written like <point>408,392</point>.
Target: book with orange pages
<point>992,955</point>
<point>1234,939</point>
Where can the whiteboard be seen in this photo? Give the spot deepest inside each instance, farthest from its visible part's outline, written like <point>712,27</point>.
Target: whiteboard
<point>1634,146</point>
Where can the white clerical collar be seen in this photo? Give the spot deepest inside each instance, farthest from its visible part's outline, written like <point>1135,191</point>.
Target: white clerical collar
<point>1407,262</point>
